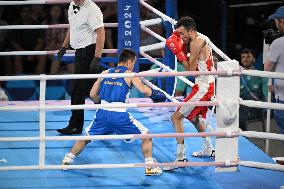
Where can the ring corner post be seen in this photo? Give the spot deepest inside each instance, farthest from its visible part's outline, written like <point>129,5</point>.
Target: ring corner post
<point>42,146</point>
<point>129,27</point>
<point>228,92</point>
<point>171,11</point>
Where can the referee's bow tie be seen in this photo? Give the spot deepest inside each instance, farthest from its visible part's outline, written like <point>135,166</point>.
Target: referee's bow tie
<point>76,7</point>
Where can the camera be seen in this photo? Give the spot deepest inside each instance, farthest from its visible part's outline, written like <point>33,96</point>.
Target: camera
<point>270,32</point>
<point>270,35</point>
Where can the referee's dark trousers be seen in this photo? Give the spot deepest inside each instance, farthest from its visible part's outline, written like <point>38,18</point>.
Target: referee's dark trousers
<point>81,87</point>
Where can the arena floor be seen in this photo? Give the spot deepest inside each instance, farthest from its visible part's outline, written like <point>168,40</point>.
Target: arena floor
<point>116,151</point>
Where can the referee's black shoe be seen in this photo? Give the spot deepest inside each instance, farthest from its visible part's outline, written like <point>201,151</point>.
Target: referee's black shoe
<point>69,131</point>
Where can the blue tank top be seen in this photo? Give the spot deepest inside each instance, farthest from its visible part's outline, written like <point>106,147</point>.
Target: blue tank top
<point>114,89</point>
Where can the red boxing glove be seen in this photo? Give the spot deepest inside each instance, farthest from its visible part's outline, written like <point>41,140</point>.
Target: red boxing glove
<point>175,44</point>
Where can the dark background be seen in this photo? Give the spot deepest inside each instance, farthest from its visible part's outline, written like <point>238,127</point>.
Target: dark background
<point>230,28</point>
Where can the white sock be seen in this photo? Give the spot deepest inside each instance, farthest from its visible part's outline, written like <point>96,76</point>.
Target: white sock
<point>180,151</point>
<point>69,157</point>
<point>149,160</point>
<point>207,141</point>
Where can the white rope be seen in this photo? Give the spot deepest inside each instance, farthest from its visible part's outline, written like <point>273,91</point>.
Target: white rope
<point>54,26</point>
<point>259,104</point>
<point>116,137</point>
<point>41,2</point>
<point>174,22</point>
<point>28,53</point>
<point>151,85</point>
<point>153,33</point>
<point>214,47</point>
<point>151,22</point>
<point>110,75</point>
<point>164,17</point>
<point>109,166</point>
<point>166,68</point>
<point>106,106</point>
<point>152,47</point>
<point>173,99</point>
<point>259,165</point>
<point>275,75</point>
<point>263,135</point>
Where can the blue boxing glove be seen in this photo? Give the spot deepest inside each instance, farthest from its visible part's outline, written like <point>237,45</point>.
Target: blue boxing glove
<point>157,96</point>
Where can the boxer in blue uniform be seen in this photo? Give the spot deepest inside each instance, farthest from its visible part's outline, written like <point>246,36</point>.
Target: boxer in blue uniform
<point>118,120</point>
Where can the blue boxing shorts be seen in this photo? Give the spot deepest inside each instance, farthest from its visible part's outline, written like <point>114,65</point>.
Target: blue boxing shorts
<point>113,122</point>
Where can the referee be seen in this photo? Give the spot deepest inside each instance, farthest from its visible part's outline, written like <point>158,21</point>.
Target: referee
<point>86,35</point>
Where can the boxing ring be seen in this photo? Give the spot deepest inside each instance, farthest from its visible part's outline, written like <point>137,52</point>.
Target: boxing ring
<point>31,151</point>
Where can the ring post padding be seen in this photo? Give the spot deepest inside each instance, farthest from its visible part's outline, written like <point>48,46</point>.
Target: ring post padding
<point>169,59</point>
<point>129,27</point>
<point>42,121</point>
<point>228,92</point>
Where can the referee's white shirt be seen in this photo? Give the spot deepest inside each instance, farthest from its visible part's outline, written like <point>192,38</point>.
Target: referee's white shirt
<point>83,23</point>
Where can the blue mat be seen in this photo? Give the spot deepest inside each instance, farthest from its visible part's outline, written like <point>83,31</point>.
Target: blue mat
<point>117,151</point>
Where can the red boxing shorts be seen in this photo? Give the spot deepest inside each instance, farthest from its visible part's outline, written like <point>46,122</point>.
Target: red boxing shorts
<point>197,94</point>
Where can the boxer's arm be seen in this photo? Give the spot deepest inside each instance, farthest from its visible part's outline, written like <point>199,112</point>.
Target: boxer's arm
<point>94,93</point>
<point>141,87</point>
<point>195,49</point>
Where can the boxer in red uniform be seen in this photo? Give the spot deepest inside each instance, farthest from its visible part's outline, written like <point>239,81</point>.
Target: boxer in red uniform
<point>199,58</point>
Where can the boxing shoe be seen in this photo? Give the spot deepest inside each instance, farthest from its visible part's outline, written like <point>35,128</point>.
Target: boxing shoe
<point>150,171</point>
<point>175,167</point>
<point>206,151</point>
<point>68,160</point>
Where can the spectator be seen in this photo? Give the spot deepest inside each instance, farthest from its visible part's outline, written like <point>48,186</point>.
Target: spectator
<point>24,40</point>
<point>38,13</point>
<point>275,62</point>
<point>5,66</point>
<point>252,88</point>
<point>110,16</point>
<point>54,38</point>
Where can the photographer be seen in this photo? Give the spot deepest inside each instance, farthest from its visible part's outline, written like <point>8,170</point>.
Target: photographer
<point>275,62</point>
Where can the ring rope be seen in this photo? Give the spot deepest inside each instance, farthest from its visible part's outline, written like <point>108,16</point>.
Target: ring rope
<point>27,53</point>
<point>151,22</point>
<point>173,22</point>
<point>259,104</point>
<point>262,135</point>
<point>17,53</point>
<point>42,2</point>
<point>273,75</point>
<point>226,163</point>
<point>151,85</point>
<point>164,17</point>
<point>153,34</point>
<point>97,106</point>
<point>121,137</point>
<point>118,75</point>
<point>152,47</point>
<point>275,167</point>
<point>166,68</point>
<point>104,166</point>
<point>54,26</point>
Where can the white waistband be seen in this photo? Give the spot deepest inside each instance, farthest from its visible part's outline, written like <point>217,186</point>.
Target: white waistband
<point>113,109</point>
